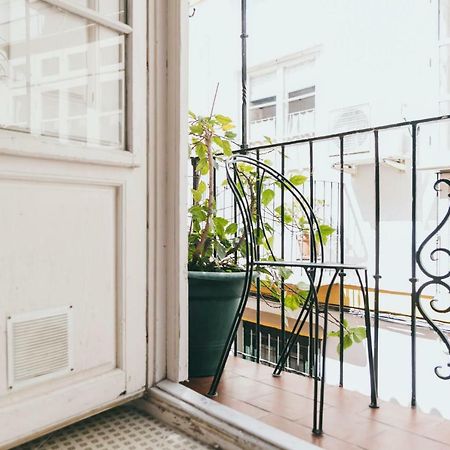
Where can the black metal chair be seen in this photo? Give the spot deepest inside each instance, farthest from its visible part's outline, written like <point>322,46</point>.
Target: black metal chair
<point>314,269</point>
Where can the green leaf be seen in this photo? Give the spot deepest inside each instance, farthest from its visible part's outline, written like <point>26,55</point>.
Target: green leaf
<point>223,120</point>
<point>228,127</point>
<point>287,218</point>
<point>196,195</point>
<point>297,180</point>
<point>230,135</point>
<point>224,145</point>
<point>198,213</point>
<point>268,227</point>
<point>267,196</point>
<point>192,115</point>
<point>285,272</point>
<point>231,228</point>
<point>348,342</point>
<point>202,166</point>
<point>201,187</point>
<point>359,334</point>
<point>246,168</point>
<point>201,150</point>
<point>220,223</point>
<point>291,302</point>
<point>333,334</point>
<point>345,323</point>
<point>227,148</point>
<point>326,231</point>
<point>196,128</point>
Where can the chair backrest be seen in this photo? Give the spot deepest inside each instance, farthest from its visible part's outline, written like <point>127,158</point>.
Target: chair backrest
<point>248,179</point>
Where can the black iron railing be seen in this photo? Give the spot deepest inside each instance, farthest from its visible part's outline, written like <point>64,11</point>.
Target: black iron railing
<point>332,196</point>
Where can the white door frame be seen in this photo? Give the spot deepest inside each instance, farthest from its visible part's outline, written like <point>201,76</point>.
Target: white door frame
<point>167,175</point>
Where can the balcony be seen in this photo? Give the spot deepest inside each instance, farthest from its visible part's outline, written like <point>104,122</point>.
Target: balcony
<point>286,403</point>
<point>404,247</point>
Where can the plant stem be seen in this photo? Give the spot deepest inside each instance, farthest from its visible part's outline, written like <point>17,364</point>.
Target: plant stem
<point>200,247</point>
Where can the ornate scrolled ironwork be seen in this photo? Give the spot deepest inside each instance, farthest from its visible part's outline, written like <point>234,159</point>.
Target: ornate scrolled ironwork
<point>435,280</point>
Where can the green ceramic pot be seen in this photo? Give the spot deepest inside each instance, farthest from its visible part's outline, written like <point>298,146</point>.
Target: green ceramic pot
<point>213,301</point>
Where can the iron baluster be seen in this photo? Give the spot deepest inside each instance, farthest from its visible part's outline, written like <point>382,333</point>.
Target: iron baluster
<point>341,260</point>
<point>377,275</point>
<point>413,278</point>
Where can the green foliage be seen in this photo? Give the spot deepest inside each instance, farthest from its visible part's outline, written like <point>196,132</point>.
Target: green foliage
<point>212,240</point>
<point>351,335</point>
<point>267,196</point>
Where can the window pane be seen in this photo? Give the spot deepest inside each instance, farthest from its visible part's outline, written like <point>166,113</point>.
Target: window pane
<point>60,75</point>
<point>113,9</point>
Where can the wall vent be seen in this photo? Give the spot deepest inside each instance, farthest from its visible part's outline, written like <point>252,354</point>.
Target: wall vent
<point>352,118</point>
<point>39,346</point>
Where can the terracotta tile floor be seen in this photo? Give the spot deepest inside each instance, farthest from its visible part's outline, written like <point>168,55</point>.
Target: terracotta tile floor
<point>286,403</point>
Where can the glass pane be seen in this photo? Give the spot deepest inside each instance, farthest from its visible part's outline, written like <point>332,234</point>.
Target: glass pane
<point>113,9</point>
<point>263,86</point>
<point>60,75</point>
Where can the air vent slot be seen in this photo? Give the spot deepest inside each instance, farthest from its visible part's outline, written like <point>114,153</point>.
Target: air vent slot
<point>39,346</point>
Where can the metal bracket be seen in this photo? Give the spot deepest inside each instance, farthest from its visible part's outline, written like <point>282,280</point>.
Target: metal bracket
<point>396,163</point>
<point>347,168</point>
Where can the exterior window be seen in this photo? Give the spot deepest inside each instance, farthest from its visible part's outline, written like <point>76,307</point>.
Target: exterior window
<point>282,103</point>
<point>65,74</point>
<point>263,107</point>
<point>300,112</point>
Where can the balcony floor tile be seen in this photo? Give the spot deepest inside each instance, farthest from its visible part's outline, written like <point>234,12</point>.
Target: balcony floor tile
<point>286,403</point>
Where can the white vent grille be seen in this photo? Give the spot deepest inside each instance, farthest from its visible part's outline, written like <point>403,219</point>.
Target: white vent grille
<point>39,346</point>
<point>352,118</point>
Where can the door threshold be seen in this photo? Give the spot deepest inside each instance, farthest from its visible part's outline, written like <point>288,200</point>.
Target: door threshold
<point>213,423</point>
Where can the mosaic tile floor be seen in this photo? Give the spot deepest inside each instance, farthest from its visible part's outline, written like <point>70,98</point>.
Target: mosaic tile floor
<point>118,429</point>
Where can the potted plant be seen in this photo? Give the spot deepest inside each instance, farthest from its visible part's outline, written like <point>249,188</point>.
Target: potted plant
<point>215,245</point>
<point>215,279</point>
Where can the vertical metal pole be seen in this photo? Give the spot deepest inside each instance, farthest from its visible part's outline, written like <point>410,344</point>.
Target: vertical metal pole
<point>244,144</point>
<point>283,317</point>
<point>342,261</point>
<point>244,37</point>
<point>377,275</point>
<point>413,278</point>
<point>311,201</point>
<point>259,226</point>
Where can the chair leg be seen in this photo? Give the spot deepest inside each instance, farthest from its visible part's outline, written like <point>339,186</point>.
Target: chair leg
<point>315,301</point>
<point>298,326</point>
<point>324,353</point>
<point>373,383</point>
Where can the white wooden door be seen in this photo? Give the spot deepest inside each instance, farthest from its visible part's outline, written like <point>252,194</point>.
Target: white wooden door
<point>72,210</point>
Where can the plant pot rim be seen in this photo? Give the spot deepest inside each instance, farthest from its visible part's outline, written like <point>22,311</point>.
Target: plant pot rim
<point>211,275</point>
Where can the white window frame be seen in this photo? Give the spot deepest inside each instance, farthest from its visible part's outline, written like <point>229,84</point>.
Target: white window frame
<point>132,155</point>
<point>278,66</point>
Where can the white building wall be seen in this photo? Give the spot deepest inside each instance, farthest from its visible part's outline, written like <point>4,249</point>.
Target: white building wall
<point>382,55</point>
